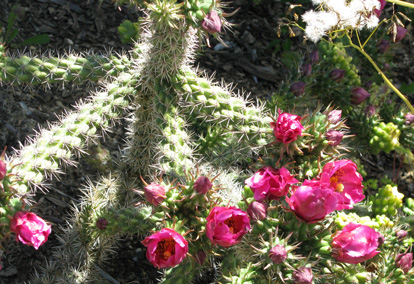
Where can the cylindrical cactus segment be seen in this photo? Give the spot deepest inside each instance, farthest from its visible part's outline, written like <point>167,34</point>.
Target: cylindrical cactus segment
<point>184,273</point>
<point>385,138</point>
<point>58,144</point>
<point>387,201</point>
<point>47,70</point>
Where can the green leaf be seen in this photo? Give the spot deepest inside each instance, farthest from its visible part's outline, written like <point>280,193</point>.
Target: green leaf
<point>407,88</point>
<point>290,58</point>
<point>38,39</point>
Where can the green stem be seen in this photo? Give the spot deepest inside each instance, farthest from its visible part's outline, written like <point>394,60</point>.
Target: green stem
<point>402,3</point>
<point>386,80</point>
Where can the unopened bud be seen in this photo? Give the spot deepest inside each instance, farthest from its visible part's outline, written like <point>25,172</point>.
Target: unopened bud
<point>257,210</point>
<point>401,234</point>
<point>381,240</point>
<point>337,74</point>
<point>3,169</point>
<point>399,35</point>
<point>298,88</point>
<point>335,116</point>
<point>278,254</point>
<point>212,23</point>
<point>314,56</point>
<point>370,111</point>
<point>334,137</point>
<point>383,46</point>
<point>303,275</point>
<point>306,69</point>
<point>409,119</point>
<point>359,95</point>
<point>202,185</point>
<point>154,193</point>
<point>101,223</point>
<point>200,257</point>
<point>404,261</point>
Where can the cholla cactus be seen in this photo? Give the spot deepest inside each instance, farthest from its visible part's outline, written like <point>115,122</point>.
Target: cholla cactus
<point>259,189</point>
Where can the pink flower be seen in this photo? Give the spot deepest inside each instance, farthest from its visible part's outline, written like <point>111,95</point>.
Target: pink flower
<point>355,243</point>
<point>154,193</point>
<point>202,185</point>
<point>212,23</point>
<point>166,248</point>
<point>311,202</point>
<point>287,127</point>
<point>404,261</point>
<point>343,178</point>
<point>270,184</point>
<point>30,229</point>
<point>227,225</point>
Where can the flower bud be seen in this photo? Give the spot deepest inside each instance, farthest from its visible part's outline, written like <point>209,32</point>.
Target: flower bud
<point>278,254</point>
<point>101,223</point>
<point>298,88</point>
<point>401,234</point>
<point>200,257</point>
<point>409,119</point>
<point>257,210</point>
<point>370,110</point>
<point>335,116</point>
<point>154,193</point>
<point>337,74</point>
<point>386,67</point>
<point>202,185</point>
<point>359,95</point>
<point>404,261</point>
<point>383,46</point>
<point>334,137</point>
<point>3,169</point>
<point>306,69</point>
<point>399,35</point>
<point>381,240</point>
<point>303,275</point>
<point>314,56</point>
<point>212,23</point>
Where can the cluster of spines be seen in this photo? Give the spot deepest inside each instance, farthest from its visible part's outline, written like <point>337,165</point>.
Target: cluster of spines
<point>73,68</point>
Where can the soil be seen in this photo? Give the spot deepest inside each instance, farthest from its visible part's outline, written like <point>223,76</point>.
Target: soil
<point>250,63</point>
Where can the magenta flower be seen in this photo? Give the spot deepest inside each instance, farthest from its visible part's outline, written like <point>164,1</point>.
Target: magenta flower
<point>343,178</point>
<point>154,193</point>
<point>287,128</point>
<point>227,225</point>
<point>270,184</point>
<point>355,243</point>
<point>404,261</point>
<point>30,229</point>
<point>166,248</point>
<point>212,23</point>
<point>202,185</point>
<point>311,202</point>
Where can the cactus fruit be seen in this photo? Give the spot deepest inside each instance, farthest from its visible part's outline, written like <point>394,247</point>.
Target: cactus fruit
<point>387,201</point>
<point>385,138</point>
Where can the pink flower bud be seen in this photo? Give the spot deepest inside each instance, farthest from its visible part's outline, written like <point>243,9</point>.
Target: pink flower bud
<point>270,184</point>
<point>298,88</point>
<point>370,110</point>
<point>30,229</point>
<point>200,257</point>
<point>257,210</point>
<point>303,275</point>
<point>383,46</point>
<point>287,127</point>
<point>334,137</point>
<point>401,234</point>
<point>355,243</point>
<point>3,169</point>
<point>337,74</point>
<point>154,193</point>
<point>212,23</point>
<point>306,69</point>
<point>335,116</point>
<point>101,223</point>
<point>278,254</point>
<point>314,57</point>
<point>359,95</point>
<point>404,261</point>
<point>401,32</point>
<point>202,185</point>
<point>166,248</point>
<point>409,119</point>
<point>227,225</point>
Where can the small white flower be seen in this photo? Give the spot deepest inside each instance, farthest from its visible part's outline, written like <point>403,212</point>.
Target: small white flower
<point>318,23</point>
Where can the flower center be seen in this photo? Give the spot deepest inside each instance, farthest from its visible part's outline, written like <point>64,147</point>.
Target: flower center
<point>165,248</point>
<point>336,181</point>
<point>233,224</point>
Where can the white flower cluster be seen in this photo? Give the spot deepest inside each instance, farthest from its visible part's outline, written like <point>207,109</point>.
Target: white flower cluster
<point>340,14</point>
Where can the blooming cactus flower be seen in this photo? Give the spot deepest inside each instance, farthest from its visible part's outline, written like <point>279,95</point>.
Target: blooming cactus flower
<point>311,202</point>
<point>202,185</point>
<point>154,193</point>
<point>404,261</point>
<point>270,184</point>
<point>166,248</point>
<point>287,128</point>
<point>355,243</point>
<point>227,225</point>
<point>343,178</point>
<point>212,23</point>
<point>303,275</point>
<point>30,229</point>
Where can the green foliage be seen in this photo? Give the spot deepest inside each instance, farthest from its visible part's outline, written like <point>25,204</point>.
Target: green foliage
<point>128,31</point>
